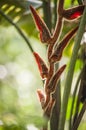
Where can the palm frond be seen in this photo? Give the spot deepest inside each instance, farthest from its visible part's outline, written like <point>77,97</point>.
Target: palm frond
<point>17,9</point>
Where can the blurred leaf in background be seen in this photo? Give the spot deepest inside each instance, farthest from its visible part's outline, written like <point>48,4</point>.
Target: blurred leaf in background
<point>19,76</point>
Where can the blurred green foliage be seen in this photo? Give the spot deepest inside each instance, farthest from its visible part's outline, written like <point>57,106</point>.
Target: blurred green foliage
<point>19,79</point>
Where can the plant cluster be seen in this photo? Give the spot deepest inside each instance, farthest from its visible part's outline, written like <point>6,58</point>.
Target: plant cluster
<point>54,53</point>
<point>53,103</point>
<point>55,48</point>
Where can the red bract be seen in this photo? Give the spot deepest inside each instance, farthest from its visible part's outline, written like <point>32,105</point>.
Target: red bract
<point>48,109</point>
<point>57,54</point>
<point>41,65</point>
<point>41,97</point>
<point>73,13</point>
<point>44,32</point>
<point>51,87</point>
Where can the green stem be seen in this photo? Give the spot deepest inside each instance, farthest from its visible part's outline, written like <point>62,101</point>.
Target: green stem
<point>79,95</point>
<point>79,117</point>
<point>69,77</point>
<point>73,101</point>
<point>55,12</point>
<point>47,13</point>
<point>17,28</point>
<point>56,109</point>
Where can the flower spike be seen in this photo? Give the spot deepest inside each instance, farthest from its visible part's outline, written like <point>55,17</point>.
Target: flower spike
<point>42,66</point>
<point>57,54</point>
<point>43,29</point>
<point>55,50</point>
<point>73,13</point>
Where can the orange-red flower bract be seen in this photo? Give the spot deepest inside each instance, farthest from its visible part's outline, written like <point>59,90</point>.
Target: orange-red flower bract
<point>73,13</point>
<point>49,107</point>
<point>41,97</point>
<point>57,54</point>
<point>51,87</point>
<point>41,65</point>
<point>43,29</point>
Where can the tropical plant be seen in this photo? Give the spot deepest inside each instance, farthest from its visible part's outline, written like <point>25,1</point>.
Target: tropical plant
<point>57,18</point>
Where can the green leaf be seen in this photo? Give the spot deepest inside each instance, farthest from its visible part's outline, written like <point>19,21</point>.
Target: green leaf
<point>17,9</point>
<point>69,107</point>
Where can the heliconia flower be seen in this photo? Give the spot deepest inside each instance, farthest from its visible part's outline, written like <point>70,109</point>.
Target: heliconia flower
<point>73,13</point>
<point>48,109</point>
<point>51,87</point>
<point>43,29</point>
<point>57,54</point>
<point>41,65</point>
<point>41,96</point>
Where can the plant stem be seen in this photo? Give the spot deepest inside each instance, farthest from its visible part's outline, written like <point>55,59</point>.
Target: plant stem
<point>73,101</point>
<point>55,12</point>
<point>17,28</point>
<point>56,109</point>
<point>69,77</point>
<point>79,95</point>
<point>79,117</point>
<point>78,103</point>
<point>47,13</point>
<point>60,6</point>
